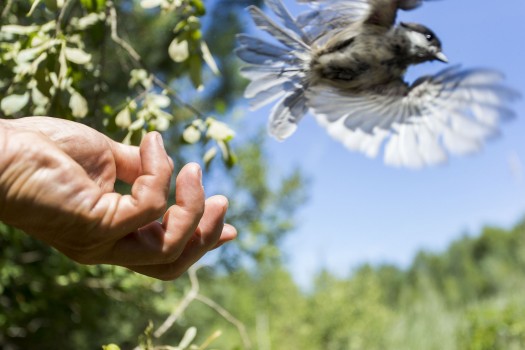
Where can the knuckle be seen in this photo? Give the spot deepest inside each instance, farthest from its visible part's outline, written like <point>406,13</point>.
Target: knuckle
<point>157,206</point>
<point>173,251</point>
<point>87,254</point>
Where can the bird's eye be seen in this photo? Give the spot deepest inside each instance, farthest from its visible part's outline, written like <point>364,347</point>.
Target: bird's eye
<point>429,37</point>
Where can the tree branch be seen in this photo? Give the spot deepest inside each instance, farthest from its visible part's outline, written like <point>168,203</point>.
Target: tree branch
<point>116,38</point>
<point>193,294</point>
<point>7,8</point>
<point>228,317</point>
<point>183,305</point>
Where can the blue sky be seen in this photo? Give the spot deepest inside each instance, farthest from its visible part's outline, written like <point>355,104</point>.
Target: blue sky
<point>361,211</point>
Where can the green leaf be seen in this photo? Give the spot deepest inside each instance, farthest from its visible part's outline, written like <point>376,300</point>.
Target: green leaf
<point>93,5</point>
<point>195,63</point>
<point>110,347</point>
<point>51,5</point>
<point>198,5</point>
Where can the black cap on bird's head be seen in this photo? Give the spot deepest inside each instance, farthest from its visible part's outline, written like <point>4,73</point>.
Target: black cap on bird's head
<point>426,44</point>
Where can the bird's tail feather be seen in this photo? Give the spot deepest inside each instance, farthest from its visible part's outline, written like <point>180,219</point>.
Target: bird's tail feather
<point>277,70</point>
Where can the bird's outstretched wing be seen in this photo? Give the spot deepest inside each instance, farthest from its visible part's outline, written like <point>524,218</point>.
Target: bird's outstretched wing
<point>276,70</point>
<point>331,16</point>
<point>454,111</point>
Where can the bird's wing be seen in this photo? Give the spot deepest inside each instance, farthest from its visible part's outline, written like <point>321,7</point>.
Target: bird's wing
<point>334,15</point>
<point>276,69</point>
<point>331,16</point>
<point>454,111</point>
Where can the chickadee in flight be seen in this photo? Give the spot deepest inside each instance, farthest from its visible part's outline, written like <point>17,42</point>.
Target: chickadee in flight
<point>345,61</point>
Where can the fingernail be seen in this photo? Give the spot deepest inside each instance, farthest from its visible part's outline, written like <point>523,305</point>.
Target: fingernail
<point>159,139</point>
<point>198,169</point>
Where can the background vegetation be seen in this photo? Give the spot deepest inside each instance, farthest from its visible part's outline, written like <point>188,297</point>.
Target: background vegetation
<point>127,67</point>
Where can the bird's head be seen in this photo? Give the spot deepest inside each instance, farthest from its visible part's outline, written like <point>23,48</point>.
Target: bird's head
<point>424,44</point>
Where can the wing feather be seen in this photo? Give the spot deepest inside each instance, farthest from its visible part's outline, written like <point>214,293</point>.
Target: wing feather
<point>454,111</point>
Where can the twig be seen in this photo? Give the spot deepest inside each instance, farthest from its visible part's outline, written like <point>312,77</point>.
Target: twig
<point>61,16</point>
<point>193,294</point>
<point>113,20</point>
<point>189,107</point>
<point>7,8</point>
<point>116,38</point>
<point>183,305</point>
<point>228,317</point>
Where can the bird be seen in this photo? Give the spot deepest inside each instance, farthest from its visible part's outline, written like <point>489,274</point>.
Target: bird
<point>345,61</point>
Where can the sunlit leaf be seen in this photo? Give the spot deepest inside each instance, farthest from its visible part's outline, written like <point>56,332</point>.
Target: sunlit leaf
<point>188,338</point>
<point>123,118</point>
<point>149,4</point>
<point>191,135</point>
<point>77,56</point>
<point>14,103</point>
<point>161,121</point>
<point>28,54</point>
<point>89,20</point>
<point>219,130</point>
<point>137,124</point>
<point>78,105</point>
<point>161,101</point>
<point>20,30</point>
<point>209,155</point>
<point>38,98</point>
<point>178,50</point>
<point>208,58</point>
<point>139,76</point>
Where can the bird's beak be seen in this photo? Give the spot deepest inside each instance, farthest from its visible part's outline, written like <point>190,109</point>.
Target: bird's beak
<point>441,57</point>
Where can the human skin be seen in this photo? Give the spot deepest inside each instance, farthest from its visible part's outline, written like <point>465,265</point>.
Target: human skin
<point>57,184</point>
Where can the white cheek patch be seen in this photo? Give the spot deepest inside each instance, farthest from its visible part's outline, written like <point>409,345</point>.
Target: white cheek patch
<point>416,40</point>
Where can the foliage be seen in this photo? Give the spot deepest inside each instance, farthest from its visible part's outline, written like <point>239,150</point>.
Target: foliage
<point>67,58</point>
<point>495,325</point>
<point>430,305</point>
<point>426,306</point>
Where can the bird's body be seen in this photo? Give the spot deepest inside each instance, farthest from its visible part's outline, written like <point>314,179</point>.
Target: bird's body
<point>360,62</point>
<point>345,61</point>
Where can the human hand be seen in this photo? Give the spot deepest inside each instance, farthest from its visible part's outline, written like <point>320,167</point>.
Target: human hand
<point>56,183</point>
